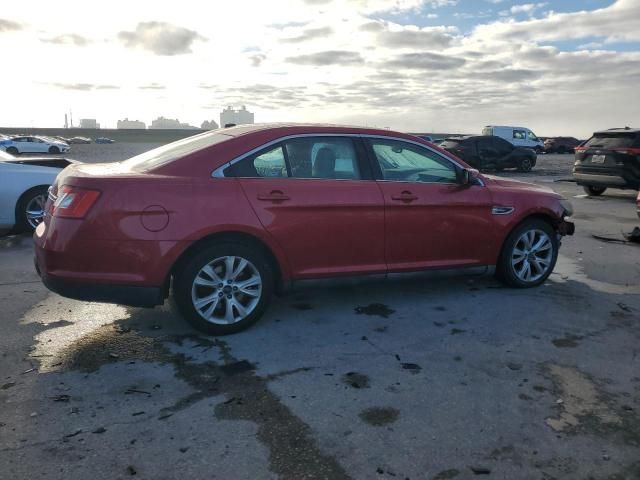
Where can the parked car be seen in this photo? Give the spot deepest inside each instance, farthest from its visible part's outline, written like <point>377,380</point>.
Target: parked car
<point>32,144</point>
<point>228,217</point>
<point>80,140</point>
<point>561,145</point>
<point>518,136</point>
<point>609,159</point>
<point>425,137</point>
<point>492,152</point>
<point>104,140</point>
<point>23,189</point>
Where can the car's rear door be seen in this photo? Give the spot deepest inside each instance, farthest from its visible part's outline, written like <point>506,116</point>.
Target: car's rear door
<point>316,197</point>
<point>431,220</point>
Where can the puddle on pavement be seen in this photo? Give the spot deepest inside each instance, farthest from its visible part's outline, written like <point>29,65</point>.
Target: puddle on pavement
<point>375,309</point>
<point>569,270</point>
<point>379,416</point>
<point>356,380</point>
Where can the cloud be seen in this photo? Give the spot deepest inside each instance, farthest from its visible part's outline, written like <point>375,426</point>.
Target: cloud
<point>160,38</point>
<point>309,34</point>
<point>425,61</point>
<point>329,57</point>
<point>152,86</point>
<point>430,37</point>
<point>257,59</point>
<point>9,25</point>
<point>68,39</point>
<point>84,87</point>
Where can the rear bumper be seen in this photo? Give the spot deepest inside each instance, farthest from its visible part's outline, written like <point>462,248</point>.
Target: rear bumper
<point>615,177</point>
<point>130,295</point>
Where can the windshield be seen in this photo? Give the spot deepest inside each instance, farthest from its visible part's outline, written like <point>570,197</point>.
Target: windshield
<point>614,140</point>
<point>172,151</point>
<point>532,136</point>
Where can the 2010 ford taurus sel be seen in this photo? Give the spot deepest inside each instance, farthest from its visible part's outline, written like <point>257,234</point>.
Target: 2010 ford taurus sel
<point>227,217</point>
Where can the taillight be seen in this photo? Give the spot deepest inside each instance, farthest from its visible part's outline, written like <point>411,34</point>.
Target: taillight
<point>580,149</point>
<point>73,202</point>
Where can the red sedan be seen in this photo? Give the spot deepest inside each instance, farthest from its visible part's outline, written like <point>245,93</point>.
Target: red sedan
<point>226,217</point>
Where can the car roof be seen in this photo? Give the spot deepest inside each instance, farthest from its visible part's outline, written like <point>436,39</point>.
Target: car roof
<point>619,130</point>
<point>294,128</point>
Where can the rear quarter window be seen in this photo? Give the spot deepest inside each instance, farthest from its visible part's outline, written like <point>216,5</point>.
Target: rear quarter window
<point>450,144</point>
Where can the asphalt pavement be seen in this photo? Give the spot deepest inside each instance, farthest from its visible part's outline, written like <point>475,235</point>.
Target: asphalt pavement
<point>413,377</point>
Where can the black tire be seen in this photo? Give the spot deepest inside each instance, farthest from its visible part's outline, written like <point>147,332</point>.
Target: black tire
<point>593,191</point>
<point>13,151</point>
<point>505,271</point>
<point>22,220</point>
<point>538,150</point>
<point>189,269</point>
<point>525,165</point>
<point>54,150</point>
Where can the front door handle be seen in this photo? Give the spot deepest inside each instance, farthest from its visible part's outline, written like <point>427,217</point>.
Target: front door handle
<point>273,196</point>
<point>405,196</point>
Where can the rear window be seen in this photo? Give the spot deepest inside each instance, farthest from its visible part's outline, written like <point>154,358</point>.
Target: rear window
<point>614,140</point>
<point>172,151</point>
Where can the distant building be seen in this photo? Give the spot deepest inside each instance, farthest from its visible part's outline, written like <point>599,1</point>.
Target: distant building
<point>162,123</point>
<point>209,125</point>
<point>129,124</point>
<point>238,117</point>
<point>89,123</point>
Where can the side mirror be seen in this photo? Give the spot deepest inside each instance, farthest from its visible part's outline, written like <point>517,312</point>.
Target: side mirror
<point>466,176</point>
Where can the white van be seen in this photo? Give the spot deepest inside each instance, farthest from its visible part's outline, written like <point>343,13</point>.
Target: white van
<point>518,136</point>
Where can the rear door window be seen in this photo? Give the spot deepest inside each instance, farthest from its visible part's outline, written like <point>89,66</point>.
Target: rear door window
<point>519,135</point>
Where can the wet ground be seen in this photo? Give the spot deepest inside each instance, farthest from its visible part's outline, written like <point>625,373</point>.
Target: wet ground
<point>418,377</point>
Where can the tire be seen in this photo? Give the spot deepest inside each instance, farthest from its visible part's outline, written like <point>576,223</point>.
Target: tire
<point>593,191</point>
<point>526,164</point>
<point>13,151</point>
<point>538,150</point>
<point>512,269</point>
<point>208,266</point>
<point>29,203</point>
<point>54,150</point>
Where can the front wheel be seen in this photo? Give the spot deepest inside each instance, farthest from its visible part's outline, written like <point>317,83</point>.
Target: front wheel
<point>525,165</point>
<point>593,191</point>
<point>30,209</point>
<point>223,288</point>
<point>54,150</point>
<point>529,254</point>
<point>13,150</point>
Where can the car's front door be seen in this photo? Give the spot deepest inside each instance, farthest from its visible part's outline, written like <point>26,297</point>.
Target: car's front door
<point>432,221</point>
<point>316,197</point>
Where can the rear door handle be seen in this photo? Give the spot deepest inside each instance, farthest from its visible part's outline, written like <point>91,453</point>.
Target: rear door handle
<point>405,196</point>
<point>273,196</point>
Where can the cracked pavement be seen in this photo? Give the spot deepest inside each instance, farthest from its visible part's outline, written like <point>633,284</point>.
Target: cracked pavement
<point>418,377</point>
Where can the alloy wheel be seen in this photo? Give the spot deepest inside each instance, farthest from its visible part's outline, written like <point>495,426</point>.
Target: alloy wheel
<point>226,290</point>
<point>34,212</point>
<point>532,255</point>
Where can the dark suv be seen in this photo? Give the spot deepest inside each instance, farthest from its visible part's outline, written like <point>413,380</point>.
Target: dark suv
<point>561,144</point>
<point>609,159</point>
<point>490,152</point>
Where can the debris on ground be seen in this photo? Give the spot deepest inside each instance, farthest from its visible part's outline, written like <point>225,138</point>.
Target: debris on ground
<point>634,236</point>
<point>61,398</point>
<point>99,430</point>
<point>480,470</point>
<point>377,309</point>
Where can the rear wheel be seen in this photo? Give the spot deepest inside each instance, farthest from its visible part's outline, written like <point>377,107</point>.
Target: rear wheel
<point>12,150</point>
<point>529,254</point>
<point>525,165</point>
<point>30,209</point>
<point>54,150</point>
<point>594,191</point>
<point>223,288</point>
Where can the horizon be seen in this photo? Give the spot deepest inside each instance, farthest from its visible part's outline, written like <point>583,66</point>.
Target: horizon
<point>558,67</point>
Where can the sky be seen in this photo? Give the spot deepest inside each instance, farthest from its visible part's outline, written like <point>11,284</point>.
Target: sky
<point>559,67</point>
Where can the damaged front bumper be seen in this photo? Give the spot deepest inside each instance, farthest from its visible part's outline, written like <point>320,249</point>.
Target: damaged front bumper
<point>565,227</point>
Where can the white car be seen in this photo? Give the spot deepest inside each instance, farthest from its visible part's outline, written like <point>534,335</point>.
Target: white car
<point>31,144</point>
<point>23,189</point>
<point>517,136</point>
